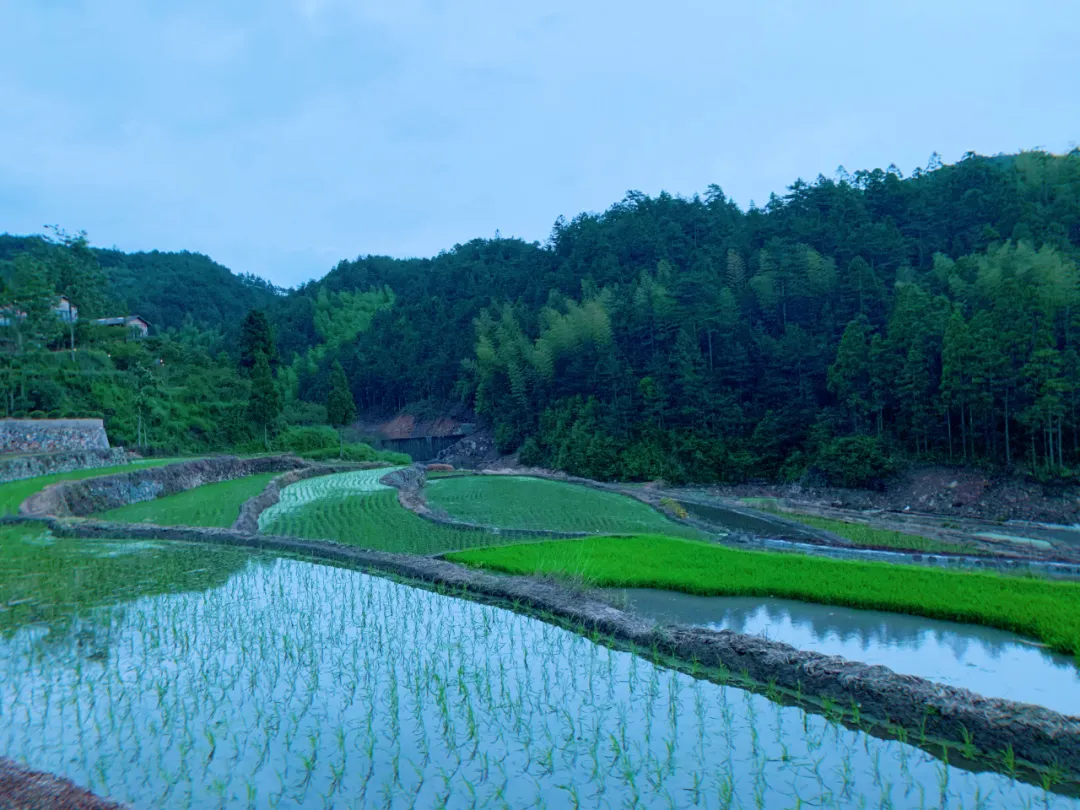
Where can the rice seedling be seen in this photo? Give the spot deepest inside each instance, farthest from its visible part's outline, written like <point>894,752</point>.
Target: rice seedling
<point>209,505</point>
<point>284,683</point>
<point>1043,610</point>
<point>513,502</point>
<point>355,508</point>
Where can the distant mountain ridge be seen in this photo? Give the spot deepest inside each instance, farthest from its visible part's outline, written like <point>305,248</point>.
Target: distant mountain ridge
<point>167,288</point>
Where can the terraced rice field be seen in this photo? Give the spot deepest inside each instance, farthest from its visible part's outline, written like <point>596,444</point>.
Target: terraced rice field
<point>209,505</point>
<point>1039,609</point>
<point>13,493</point>
<point>517,502</point>
<point>354,508</point>
<point>47,582</point>
<point>287,684</point>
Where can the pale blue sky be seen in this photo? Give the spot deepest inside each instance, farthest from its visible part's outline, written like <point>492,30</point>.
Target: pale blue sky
<point>280,141</point>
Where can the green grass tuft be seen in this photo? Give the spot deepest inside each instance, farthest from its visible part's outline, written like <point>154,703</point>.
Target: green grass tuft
<point>1047,611</point>
<point>209,505</point>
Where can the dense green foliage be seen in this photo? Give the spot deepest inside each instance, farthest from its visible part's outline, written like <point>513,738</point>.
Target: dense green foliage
<point>841,329</point>
<point>532,503</point>
<point>179,390</point>
<point>934,317</point>
<point>167,289</point>
<point>1048,611</point>
<point>209,505</point>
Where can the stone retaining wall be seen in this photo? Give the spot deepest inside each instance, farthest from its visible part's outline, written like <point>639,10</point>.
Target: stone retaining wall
<point>885,699</point>
<point>92,495</point>
<point>51,435</point>
<point>20,467</point>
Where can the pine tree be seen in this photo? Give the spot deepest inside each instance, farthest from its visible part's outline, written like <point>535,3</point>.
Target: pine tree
<point>256,337</point>
<point>264,404</point>
<point>340,406</point>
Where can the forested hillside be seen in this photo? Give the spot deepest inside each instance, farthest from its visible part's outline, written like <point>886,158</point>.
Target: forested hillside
<point>841,329</point>
<point>849,324</point>
<point>167,289</point>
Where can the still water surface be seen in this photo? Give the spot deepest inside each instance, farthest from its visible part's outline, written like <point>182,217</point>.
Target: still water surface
<point>297,685</point>
<point>990,662</point>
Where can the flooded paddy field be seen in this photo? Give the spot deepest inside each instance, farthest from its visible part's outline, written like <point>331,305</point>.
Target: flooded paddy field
<point>990,662</point>
<point>283,683</point>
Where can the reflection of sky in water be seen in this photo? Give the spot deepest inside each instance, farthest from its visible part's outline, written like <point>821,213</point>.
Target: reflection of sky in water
<point>294,685</point>
<point>990,662</point>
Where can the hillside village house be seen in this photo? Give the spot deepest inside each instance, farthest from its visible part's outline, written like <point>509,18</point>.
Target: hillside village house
<point>69,313</point>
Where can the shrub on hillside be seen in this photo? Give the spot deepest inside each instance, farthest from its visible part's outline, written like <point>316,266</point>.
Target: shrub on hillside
<point>303,440</point>
<point>356,452</point>
<point>298,412</point>
<point>855,461</point>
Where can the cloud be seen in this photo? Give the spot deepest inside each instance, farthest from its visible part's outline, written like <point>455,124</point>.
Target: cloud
<point>282,140</point>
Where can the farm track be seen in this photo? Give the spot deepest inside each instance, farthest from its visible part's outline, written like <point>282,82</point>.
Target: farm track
<point>1038,736</point>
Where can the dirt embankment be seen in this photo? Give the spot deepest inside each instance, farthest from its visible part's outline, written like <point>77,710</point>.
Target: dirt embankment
<point>23,789</point>
<point>92,495</point>
<point>944,491</point>
<point>1036,735</point>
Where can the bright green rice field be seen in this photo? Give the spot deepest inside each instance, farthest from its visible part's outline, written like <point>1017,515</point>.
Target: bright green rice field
<point>354,508</point>
<point>209,505</point>
<point>516,502</point>
<point>1047,611</point>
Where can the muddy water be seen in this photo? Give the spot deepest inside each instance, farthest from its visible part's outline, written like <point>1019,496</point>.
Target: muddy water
<point>990,662</point>
<point>300,685</point>
<point>744,522</point>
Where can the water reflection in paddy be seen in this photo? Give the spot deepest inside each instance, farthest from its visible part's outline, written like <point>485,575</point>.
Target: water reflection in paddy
<point>990,662</point>
<point>300,685</point>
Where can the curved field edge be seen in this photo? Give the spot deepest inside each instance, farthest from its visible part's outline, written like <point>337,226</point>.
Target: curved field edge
<point>356,509</point>
<point>990,731</point>
<point>1043,610</point>
<point>530,503</point>
<point>216,504</point>
<point>13,493</point>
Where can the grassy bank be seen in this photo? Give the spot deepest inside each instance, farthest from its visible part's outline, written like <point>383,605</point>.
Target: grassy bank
<point>869,537</point>
<point>14,493</point>
<point>512,502</point>
<point>1047,611</point>
<point>210,505</point>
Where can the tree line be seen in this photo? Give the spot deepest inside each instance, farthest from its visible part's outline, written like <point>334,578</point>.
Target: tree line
<point>847,325</point>
<point>844,327</point>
